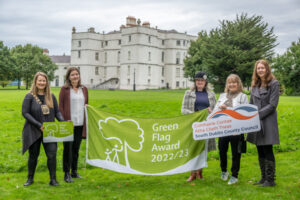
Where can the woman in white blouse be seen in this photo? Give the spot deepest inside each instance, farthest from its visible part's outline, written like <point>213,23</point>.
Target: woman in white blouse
<point>72,99</point>
<point>232,97</point>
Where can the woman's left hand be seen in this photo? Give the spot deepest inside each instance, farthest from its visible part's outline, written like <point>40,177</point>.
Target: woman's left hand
<point>209,110</point>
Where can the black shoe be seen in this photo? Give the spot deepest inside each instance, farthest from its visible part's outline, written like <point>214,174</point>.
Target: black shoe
<point>262,166</point>
<point>29,181</point>
<point>68,177</point>
<point>261,181</point>
<point>270,174</point>
<point>53,182</point>
<point>74,174</point>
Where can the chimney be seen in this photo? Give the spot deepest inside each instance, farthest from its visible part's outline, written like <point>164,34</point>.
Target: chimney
<point>46,52</point>
<point>146,24</point>
<point>91,30</point>
<point>131,21</point>
<point>73,29</point>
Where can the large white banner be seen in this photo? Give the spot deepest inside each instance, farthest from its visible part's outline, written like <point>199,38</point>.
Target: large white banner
<point>231,121</point>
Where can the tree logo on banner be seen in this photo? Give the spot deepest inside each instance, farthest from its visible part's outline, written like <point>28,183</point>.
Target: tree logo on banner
<point>52,128</point>
<point>123,135</point>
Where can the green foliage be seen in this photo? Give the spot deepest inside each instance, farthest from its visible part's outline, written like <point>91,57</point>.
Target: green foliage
<point>233,47</point>
<point>287,68</point>
<point>30,59</point>
<point>5,65</point>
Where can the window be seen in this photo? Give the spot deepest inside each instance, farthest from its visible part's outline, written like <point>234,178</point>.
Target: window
<point>162,56</point>
<point>105,57</point>
<point>120,42</point>
<point>106,43</point>
<point>105,72</point>
<point>162,71</point>
<point>178,58</point>
<point>129,55</point>
<point>162,42</point>
<point>79,68</point>
<point>118,71</point>
<point>183,84</point>
<point>96,70</point>
<point>177,83</point>
<point>129,38</point>
<point>102,44</point>
<point>162,82</point>
<point>149,81</point>
<point>128,70</point>
<point>57,81</point>
<point>128,81</point>
<point>178,42</point>
<point>149,39</point>
<point>79,43</point>
<point>92,81</point>
<point>177,72</point>
<point>119,55</point>
<point>79,54</point>
<point>149,56</point>
<point>97,56</point>
<point>65,67</point>
<point>183,42</point>
<point>149,71</point>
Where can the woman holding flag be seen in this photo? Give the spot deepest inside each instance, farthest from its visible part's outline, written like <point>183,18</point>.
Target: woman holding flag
<point>199,97</point>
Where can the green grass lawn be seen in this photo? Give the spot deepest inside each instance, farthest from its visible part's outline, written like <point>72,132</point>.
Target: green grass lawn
<point>104,184</point>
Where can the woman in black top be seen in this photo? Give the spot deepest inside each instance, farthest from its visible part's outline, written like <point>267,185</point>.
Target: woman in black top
<point>39,106</point>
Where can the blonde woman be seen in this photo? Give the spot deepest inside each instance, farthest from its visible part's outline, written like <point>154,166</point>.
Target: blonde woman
<point>199,98</point>
<point>232,96</point>
<point>39,106</point>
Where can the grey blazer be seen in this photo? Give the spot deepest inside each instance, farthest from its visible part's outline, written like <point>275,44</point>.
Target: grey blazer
<point>267,103</point>
<point>188,106</point>
<point>32,112</point>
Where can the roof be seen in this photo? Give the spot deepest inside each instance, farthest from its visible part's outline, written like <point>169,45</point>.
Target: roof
<point>60,59</point>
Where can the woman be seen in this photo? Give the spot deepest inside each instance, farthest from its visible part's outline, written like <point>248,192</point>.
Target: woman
<point>39,106</point>
<point>265,95</point>
<point>199,98</point>
<point>72,99</point>
<point>232,96</point>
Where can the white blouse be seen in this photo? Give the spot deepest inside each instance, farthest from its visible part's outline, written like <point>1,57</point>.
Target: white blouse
<point>77,107</point>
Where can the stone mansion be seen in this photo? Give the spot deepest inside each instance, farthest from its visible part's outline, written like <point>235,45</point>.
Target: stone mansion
<point>136,55</point>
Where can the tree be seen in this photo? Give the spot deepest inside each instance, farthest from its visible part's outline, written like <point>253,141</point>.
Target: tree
<point>287,68</point>
<point>5,65</point>
<point>233,47</point>
<point>28,60</point>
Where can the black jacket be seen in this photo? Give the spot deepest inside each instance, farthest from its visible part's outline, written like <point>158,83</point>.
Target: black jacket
<point>32,112</point>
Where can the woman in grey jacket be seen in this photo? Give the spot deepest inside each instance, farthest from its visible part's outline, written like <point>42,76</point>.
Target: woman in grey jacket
<point>232,96</point>
<point>199,98</point>
<point>265,95</point>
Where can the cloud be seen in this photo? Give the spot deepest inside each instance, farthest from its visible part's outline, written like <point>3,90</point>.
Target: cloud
<point>48,23</point>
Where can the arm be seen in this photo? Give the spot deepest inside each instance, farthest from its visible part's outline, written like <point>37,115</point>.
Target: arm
<point>26,107</point>
<point>184,107</point>
<point>58,114</point>
<point>273,101</point>
<point>61,100</point>
<point>244,99</point>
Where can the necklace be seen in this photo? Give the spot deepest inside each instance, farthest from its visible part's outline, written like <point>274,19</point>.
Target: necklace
<point>45,108</point>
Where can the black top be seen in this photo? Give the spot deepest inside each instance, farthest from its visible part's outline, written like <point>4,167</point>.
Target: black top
<point>202,101</point>
<point>42,98</point>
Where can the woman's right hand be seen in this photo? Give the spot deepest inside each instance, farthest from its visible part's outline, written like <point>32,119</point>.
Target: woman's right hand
<point>42,128</point>
<point>223,107</point>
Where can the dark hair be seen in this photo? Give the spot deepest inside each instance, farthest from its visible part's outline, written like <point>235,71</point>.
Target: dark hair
<point>200,75</point>
<point>256,80</point>
<point>68,83</point>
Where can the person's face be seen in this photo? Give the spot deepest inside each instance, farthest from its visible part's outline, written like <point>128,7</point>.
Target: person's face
<point>41,82</point>
<point>232,86</point>
<point>200,83</point>
<point>261,70</point>
<point>74,77</point>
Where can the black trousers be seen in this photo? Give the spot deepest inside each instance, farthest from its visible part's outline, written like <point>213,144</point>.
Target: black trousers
<point>266,152</point>
<point>71,151</point>
<point>236,156</point>
<point>34,152</point>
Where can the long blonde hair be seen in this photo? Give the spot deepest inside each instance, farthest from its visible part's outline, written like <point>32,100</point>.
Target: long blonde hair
<point>234,78</point>
<point>34,89</point>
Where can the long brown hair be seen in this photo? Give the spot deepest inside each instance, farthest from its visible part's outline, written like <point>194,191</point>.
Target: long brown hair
<point>256,80</point>
<point>236,79</point>
<point>68,83</point>
<point>34,89</point>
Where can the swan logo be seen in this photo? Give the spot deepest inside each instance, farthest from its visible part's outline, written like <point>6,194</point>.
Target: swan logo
<point>235,114</point>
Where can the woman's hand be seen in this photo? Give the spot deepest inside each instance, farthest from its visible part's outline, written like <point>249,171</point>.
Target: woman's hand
<point>209,110</point>
<point>42,128</point>
<point>223,107</point>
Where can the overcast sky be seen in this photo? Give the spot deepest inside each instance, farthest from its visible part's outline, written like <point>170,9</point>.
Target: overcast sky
<point>48,23</point>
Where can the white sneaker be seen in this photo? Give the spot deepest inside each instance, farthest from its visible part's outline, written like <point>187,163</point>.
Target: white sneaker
<point>232,180</point>
<point>224,176</point>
